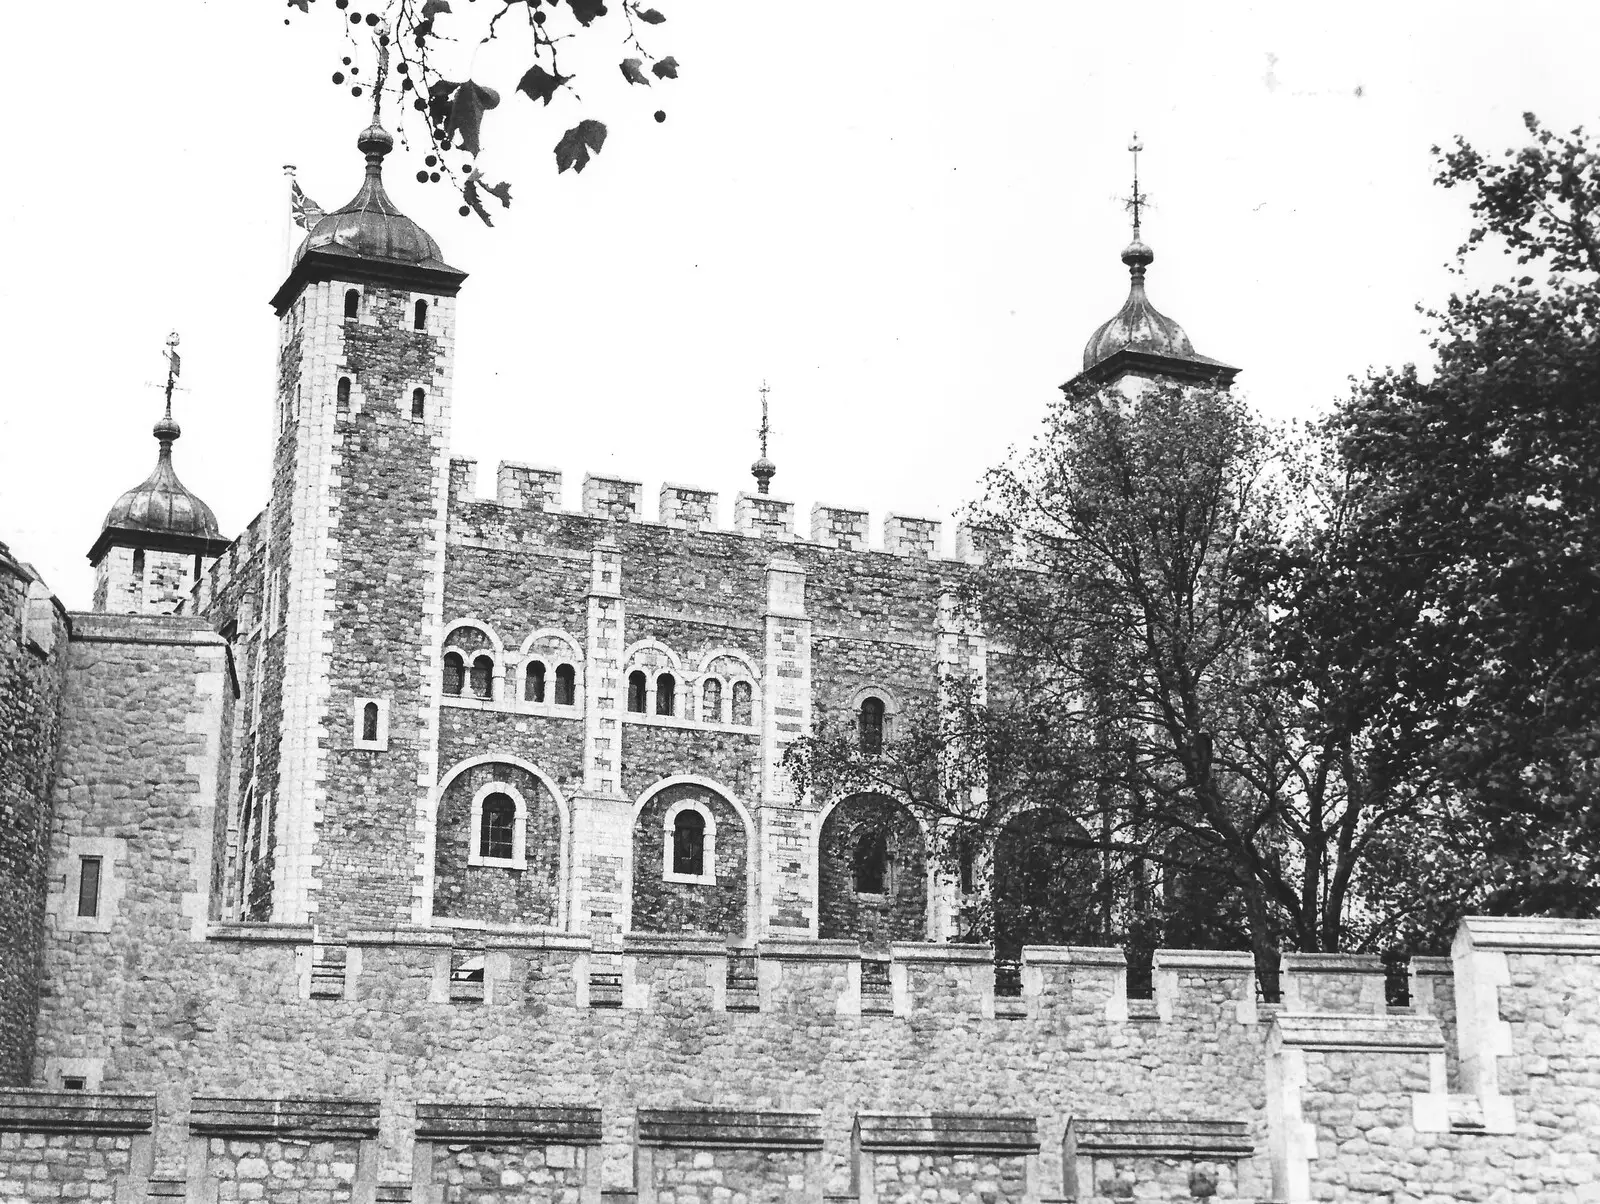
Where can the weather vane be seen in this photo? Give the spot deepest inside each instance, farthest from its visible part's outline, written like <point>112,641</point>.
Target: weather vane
<point>1138,200</point>
<point>764,469</point>
<point>173,364</point>
<point>764,426</point>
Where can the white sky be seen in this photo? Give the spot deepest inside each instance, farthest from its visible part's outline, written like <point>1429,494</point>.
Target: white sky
<point>902,215</point>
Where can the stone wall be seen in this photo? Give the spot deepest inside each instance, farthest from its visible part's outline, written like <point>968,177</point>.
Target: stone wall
<point>33,657</point>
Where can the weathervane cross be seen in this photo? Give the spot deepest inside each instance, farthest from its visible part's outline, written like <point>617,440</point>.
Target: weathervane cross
<point>173,364</point>
<point>764,427</point>
<point>1138,200</point>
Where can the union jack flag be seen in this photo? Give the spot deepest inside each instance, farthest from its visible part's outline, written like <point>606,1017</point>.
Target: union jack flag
<point>307,212</point>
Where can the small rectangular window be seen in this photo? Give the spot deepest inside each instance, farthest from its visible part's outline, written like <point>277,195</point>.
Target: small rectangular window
<point>89,887</point>
<point>74,1082</point>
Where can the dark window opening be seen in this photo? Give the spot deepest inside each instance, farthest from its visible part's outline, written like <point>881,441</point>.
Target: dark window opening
<point>420,321</point>
<point>455,671</point>
<point>666,694</point>
<point>74,1082</point>
<point>89,886</point>
<point>483,677</point>
<point>533,691</point>
<point>369,722</point>
<point>875,976</point>
<point>497,831</point>
<point>342,396</point>
<point>743,705</point>
<point>636,692</point>
<point>871,725</point>
<point>872,864</point>
<point>352,303</point>
<point>689,843</point>
<point>566,686</point>
<point>419,401</point>
<point>964,863</point>
<point>138,562</point>
<point>711,701</point>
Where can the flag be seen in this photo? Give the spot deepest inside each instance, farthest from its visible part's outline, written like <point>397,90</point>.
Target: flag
<point>307,212</point>
<point>173,361</point>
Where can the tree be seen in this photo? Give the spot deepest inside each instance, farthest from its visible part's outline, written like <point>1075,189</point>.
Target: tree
<point>392,49</point>
<point>1486,488</point>
<point>1177,685</point>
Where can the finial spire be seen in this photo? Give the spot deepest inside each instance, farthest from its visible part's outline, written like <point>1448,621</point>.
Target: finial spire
<point>1137,200</point>
<point>167,430</point>
<point>764,469</point>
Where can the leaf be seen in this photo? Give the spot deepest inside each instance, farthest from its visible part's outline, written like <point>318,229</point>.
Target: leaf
<point>667,68</point>
<point>650,16</point>
<point>472,100</point>
<point>439,97</point>
<point>469,193</point>
<point>303,5</point>
<point>587,10</point>
<point>433,8</point>
<point>631,72</point>
<point>501,191</point>
<point>540,84</point>
<point>576,144</point>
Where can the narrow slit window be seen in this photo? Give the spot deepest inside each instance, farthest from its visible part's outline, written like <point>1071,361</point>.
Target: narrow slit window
<point>342,395</point>
<point>711,701</point>
<point>533,691</point>
<point>743,705</point>
<point>419,403</point>
<point>352,303</point>
<point>666,694</point>
<point>965,862</point>
<point>497,833</point>
<point>420,321</point>
<point>872,863</point>
<point>871,725</point>
<point>138,562</point>
<point>89,886</point>
<point>483,677</point>
<point>73,1082</point>
<point>454,673</point>
<point>689,843</point>
<point>636,692</point>
<point>369,722</point>
<point>566,686</point>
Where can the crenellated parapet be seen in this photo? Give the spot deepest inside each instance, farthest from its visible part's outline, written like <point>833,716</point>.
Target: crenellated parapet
<point>695,508</point>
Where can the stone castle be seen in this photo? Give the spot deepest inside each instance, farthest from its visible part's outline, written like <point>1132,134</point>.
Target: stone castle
<point>421,846</point>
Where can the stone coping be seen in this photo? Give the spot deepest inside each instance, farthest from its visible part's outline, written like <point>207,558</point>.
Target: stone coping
<point>936,952</point>
<point>610,478</point>
<point>404,935</point>
<point>1529,934</point>
<point>1073,955</point>
<point>555,1124</point>
<point>1331,963</point>
<point>1442,966</point>
<point>229,1116</point>
<point>674,944</point>
<point>95,627</point>
<point>572,941</point>
<point>789,949</point>
<point>75,1112</point>
<point>1220,1140</point>
<point>947,1132</point>
<point>730,1128</point>
<point>1389,1034</point>
<point>1230,961</point>
<point>267,934</point>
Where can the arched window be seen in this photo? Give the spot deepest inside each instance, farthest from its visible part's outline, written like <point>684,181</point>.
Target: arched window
<point>342,396</point>
<point>369,722</point>
<point>419,402</point>
<point>666,694</point>
<point>688,842</point>
<point>533,691</point>
<point>636,692</point>
<point>871,725</point>
<point>138,562</point>
<point>743,706</point>
<point>497,830</point>
<point>420,321</point>
<point>455,672</point>
<point>352,303</point>
<point>872,864</point>
<point>711,701</point>
<point>483,677</point>
<point>566,686</point>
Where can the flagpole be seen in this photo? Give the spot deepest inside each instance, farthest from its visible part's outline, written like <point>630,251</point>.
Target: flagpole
<point>289,240</point>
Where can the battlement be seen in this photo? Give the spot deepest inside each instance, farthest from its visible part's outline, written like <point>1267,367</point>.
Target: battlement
<point>614,498</point>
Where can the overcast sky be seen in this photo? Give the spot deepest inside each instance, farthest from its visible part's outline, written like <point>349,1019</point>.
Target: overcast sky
<point>903,216</point>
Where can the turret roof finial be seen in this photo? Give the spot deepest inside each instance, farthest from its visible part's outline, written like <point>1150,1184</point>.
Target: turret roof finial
<point>167,430</point>
<point>764,469</point>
